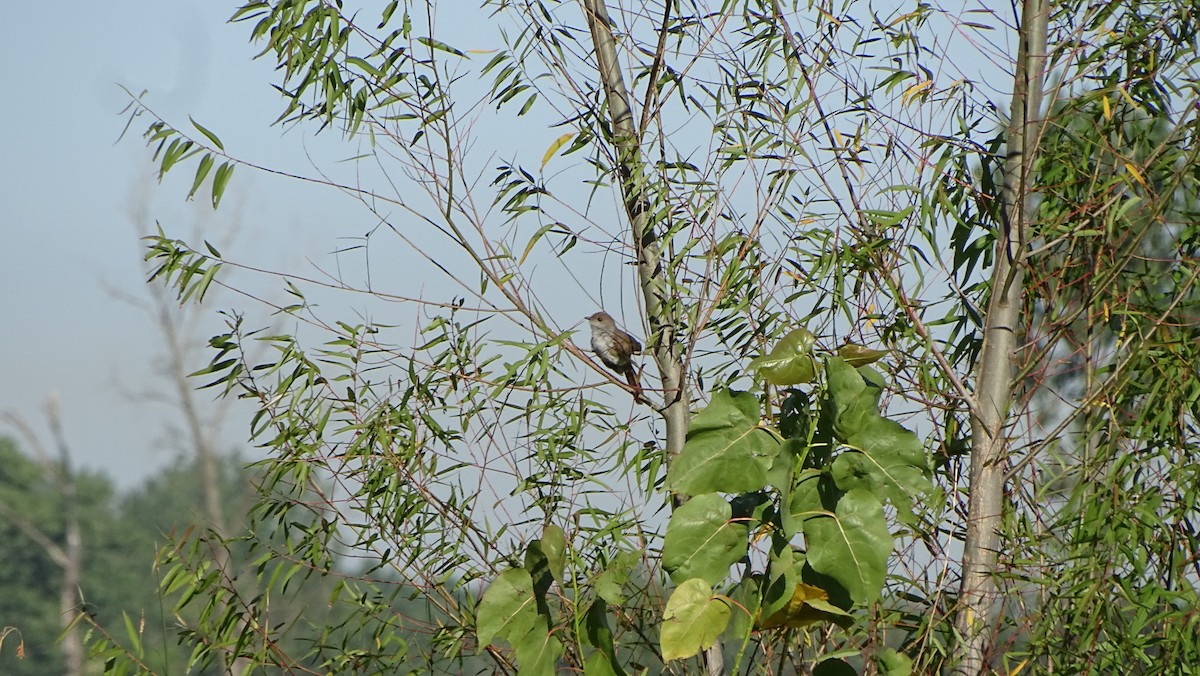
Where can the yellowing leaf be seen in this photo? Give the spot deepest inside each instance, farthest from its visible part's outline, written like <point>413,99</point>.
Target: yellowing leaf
<point>1128,98</point>
<point>915,91</point>
<point>1136,174</point>
<point>558,143</point>
<point>692,620</point>
<point>808,605</point>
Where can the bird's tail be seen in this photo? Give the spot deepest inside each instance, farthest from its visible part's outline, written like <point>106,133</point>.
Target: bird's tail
<point>632,378</point>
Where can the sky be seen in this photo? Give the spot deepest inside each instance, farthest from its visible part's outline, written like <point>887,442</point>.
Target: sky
<point>78,190</point>
<point>77,196</point>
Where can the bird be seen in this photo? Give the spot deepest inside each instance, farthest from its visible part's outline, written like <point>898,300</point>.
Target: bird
<point>615,348</point>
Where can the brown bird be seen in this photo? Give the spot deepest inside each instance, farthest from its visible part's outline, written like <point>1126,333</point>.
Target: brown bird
<point>615,348</point>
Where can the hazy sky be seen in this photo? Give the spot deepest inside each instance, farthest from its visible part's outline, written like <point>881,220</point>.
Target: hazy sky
<point>75,200</point>
<point>71,194</point>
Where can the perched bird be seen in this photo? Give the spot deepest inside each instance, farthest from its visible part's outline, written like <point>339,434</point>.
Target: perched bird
<point>615,348</point>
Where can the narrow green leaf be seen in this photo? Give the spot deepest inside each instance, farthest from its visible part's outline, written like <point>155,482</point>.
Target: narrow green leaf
<point>220,180</point>
<point>439,45</point>
<point>208,134</point>
<point>202,168</point>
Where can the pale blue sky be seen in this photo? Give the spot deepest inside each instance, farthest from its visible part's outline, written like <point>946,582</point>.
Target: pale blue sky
<point>71,194</point>
<point>70,191</point>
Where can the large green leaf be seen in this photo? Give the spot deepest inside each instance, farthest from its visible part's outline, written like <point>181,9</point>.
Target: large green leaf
<point>791,361</point>
<point>727,449</point>
<point>538,651</point>
<point>783,573</point>
<point>746,599</point>
<point>703,541</point>
<point>852,400</point>
<point>610,583</point>
<point>508,609</point>
<point>887,460</point>
<point>554,546</point>
<point>538,567</point>
<point>598,634</point>
<point>892,663</point>
<point>881,456</point>
<point>851,545</point>
<point>801,501</point>
<point>692,621</point>
<point>860,355</point>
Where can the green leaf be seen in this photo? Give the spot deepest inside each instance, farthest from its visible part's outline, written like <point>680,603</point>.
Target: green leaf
<point>599,664</point>
<point>857,355</point>
<point>508,609</point>
<point>791,361</point>
<point>882,456</point>
<point>887,460</point>
<point>554,546</point>
<point>208,134</point>
<point>747,602</point>
<point>783,575</point>
<point>135,636</point>
<point>886,218</point>
<point>892,663</point>
<point>202,170</point>
<point>538,652</point>
<point>599,635</point>
<point>801,501</point>
<point>220,180</point>
<point>439,45</point>
<point>610,583</point>
<point>702,541</point>
<point>692,621</point>
<point>726,450</point>
<point>851,545</point>
<point>853,401</point>
<point>538,567</point>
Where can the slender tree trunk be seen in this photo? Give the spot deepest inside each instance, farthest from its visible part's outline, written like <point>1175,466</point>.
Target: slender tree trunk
<point>67,555</point>
<point>72,559</point>
<point>661,313</point>
<point>994,378</point>
<point>202,446</point>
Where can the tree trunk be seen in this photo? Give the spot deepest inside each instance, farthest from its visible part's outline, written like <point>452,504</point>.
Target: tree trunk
<point>72,551</point>
<point>994,377</point>
<point>661,314</point>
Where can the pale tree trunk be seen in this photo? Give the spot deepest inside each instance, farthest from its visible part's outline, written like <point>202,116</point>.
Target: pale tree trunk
<point>67,555</point>
<point>662,315</point>
<point>994,386</point>
<point>201,441</point>
<point>72,563</point>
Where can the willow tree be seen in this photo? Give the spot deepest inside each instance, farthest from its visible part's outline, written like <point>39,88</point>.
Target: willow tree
<point>823,225</point>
